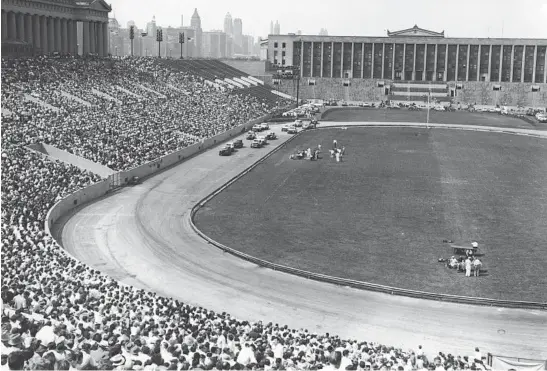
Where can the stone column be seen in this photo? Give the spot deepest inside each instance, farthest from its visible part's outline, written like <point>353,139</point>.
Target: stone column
<point>322,54</point>
<point>20,21</point>
<point>100,39</point>
<point>467,67</point>
<point>92,38</point>
<point>106,39</point>
<point>4,25</point>
<point>301,57</point>
<point>457,62</point>
<point>64,35</point>
<point>479,63</point>
<point>414,64</point>
<point>43,35</point>
<point>535,60</point>
<point>501,63</point>
<point>58,35</point>
<point>383,58</point>
<point>36,31</point>
<point>523,64</point>
<point>51,34</point>
<point>490,63</point>
<point>372,61</point>
<point>332,59</point>
<point>341,60</point>
<point>29,36</point>
<point>12,30</point>
<point>69,37</point>
<point>403,77</point>
<point>445,75</point>
<point>545,70</point>
<point>393,63</point>
<point>362,60</point>
<point>435,63</point>
<point>512,63</point>
<point>85,28</point>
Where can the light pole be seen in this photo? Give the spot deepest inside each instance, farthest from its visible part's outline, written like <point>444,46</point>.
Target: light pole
<point>181,42</point>
<point>159,39</point>
<point>131,37</point>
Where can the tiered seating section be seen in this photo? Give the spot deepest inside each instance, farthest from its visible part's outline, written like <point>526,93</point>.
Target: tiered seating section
<point>59,314</point>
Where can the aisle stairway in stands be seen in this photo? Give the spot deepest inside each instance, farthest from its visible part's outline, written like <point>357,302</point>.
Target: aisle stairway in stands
<point>414,91</point>
<point>224,75</point>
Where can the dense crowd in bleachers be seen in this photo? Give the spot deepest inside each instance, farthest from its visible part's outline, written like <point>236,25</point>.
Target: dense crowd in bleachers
<point>58,313</point>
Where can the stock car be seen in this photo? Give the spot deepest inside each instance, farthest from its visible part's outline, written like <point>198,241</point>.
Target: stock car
<point>271,136</point>
<point>251,135</point>
<point>541,117</point>
<point>265,126</point>
<point>286,127</point>
<point>257,127</point>
<point>225,151</point>
<point>292,130</point>
<point>263,139</point>
<point>298,123</point>
<point>238,143</point>
<point>256,144</point>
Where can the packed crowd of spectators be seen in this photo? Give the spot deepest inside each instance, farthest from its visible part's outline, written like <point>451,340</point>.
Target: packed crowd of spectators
<point>58,313</point>
<point>137,110</point>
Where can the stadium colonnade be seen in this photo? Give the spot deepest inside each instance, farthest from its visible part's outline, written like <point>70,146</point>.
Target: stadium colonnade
<point>63,26</point>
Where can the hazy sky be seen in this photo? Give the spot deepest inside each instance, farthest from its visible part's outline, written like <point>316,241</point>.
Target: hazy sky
<point>463,18</point>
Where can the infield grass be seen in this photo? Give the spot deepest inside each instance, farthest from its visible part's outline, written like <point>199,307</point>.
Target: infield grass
<point>381,215</point>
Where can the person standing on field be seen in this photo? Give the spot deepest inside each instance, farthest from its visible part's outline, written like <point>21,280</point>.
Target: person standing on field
<point>468,267</point>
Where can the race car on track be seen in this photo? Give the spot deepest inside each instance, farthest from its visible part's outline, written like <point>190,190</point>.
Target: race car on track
<point>298,123</point>
<point>257,127</point>
<point>271,136</point>
<point>238,143</point>
<point>256,144</point>
<point>263,139</point>
<point>285,127</point>
<point>265,126</point>
<point>225,151</point>
<point>251,135</point>
<point>292,130</point>
<point>230,146</point>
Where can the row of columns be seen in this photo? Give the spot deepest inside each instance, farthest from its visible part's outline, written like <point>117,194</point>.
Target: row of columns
<point>464,77</point>
<point>54,34</point>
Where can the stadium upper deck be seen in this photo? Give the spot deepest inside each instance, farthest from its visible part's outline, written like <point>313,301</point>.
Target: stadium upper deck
<point>413,54</point>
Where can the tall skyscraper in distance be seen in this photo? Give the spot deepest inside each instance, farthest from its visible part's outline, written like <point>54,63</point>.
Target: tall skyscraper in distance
<point>195,23</point>
<point>271,28</point>
<point>299,32</point>
<point>151,27</point>
<point>181,20</point>
<point>323,32</point>
<point>228,25</point>
<point>277,28</point>
<point>238,33</point>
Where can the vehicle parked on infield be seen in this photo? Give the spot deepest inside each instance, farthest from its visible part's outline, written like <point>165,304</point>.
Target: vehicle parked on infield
<point>271,136</point>
<point>414,108</point>
<point>250,135</point>
<point>257,143</point>
<point>238,143</point>
<point>439,108</point>
<point>541,117</point>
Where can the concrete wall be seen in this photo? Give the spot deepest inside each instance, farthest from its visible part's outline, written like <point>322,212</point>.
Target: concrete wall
<point>79,162</point>
<point>366,90</point>
<point>76,199</point>
<point>97,190</point>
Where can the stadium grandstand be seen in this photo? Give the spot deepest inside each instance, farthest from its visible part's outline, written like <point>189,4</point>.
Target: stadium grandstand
<point>71,117</point>
<point>407,64</point>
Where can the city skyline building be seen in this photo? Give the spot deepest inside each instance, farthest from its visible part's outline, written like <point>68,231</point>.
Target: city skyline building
<point>238,33</point>
<point>228,24</point>
<point>277,28</point>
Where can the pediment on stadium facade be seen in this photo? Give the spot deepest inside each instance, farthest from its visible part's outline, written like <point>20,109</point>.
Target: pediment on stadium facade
<point>414,32</point>
<point>99,5</point>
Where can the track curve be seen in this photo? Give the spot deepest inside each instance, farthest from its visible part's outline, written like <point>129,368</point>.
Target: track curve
<point>142,237</point>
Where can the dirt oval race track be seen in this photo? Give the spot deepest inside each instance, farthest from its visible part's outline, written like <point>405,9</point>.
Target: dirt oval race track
<point>142,236</point>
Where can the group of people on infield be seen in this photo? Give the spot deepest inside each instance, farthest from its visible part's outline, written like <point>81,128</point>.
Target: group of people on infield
<point>60,314</point>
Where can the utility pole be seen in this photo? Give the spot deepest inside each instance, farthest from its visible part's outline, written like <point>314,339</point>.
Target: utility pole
<point>159,39</point>
<point>131,36</point>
